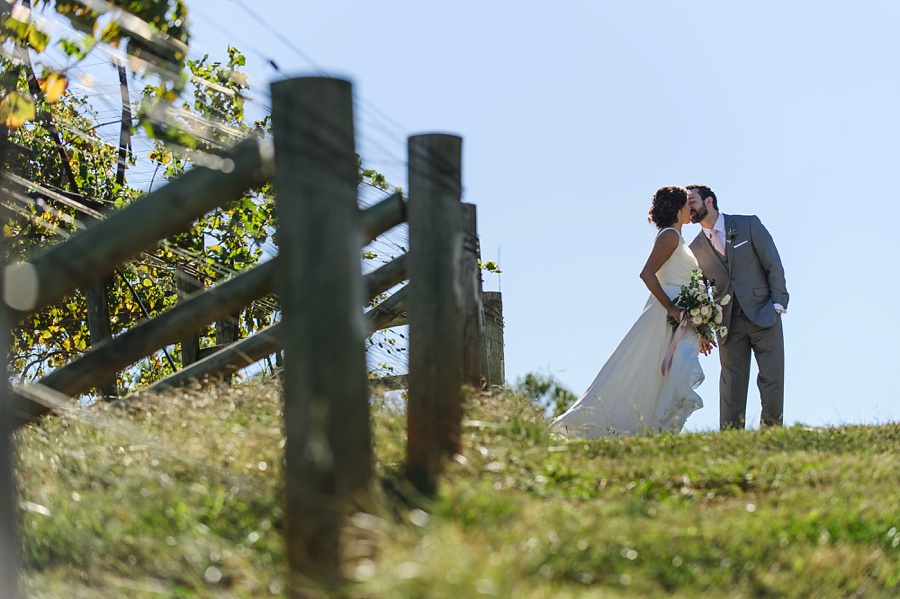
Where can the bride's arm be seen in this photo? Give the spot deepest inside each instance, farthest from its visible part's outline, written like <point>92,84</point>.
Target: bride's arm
<point>662,250</point>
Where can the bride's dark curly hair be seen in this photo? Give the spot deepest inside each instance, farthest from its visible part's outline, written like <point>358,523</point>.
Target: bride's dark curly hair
<point>667,201</point>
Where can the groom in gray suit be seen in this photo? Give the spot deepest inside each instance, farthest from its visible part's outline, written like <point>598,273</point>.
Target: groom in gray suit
<point>738,254</point>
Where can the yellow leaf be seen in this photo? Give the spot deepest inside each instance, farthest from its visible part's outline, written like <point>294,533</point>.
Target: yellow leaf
<point>147,283</point>
<point>53,86</point>
<point>163,157</point>
<point>16,109</point>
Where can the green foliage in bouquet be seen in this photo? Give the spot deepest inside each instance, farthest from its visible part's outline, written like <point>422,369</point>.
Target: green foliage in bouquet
<point>703,311</point>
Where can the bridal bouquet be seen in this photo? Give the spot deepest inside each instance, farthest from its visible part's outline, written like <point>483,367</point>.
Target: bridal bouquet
<point>703,311</point>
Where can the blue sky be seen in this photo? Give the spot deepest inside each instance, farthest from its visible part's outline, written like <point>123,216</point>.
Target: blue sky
<point>574,113</point>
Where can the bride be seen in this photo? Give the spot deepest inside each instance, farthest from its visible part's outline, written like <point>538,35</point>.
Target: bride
<point>630,394</point>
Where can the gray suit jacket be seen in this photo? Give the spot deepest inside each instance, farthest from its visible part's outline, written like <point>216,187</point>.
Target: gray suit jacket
<point>750,271</point>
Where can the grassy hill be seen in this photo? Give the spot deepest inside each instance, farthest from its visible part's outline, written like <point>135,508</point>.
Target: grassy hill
<point>179,496</point>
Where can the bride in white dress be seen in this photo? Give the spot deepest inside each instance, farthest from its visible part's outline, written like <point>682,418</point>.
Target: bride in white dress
<point>630,394</point>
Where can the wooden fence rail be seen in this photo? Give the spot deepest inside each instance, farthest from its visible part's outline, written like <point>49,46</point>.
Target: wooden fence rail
<point>254,348</point>
<point>93,254</point>
<point>98,364</point>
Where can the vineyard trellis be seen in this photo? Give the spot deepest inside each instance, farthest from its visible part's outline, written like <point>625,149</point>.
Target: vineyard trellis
<point>454,339</point>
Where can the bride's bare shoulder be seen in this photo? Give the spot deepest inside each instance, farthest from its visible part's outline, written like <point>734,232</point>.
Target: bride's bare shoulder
<point>668,233</point>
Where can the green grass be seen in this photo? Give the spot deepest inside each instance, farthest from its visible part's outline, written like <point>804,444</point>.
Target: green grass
<point>180,496</point>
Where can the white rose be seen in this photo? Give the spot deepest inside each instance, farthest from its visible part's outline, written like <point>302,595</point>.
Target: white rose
<point>705,310</point>
<point>718,317</point>
<point>725,300</point>
<point>695,312</point>
<point>697,321</point>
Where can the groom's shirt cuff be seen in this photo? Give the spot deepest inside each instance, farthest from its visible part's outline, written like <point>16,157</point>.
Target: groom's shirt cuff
<point>780,309</point>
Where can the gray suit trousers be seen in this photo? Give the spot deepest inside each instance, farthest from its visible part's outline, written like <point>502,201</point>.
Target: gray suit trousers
<point>767,344</point>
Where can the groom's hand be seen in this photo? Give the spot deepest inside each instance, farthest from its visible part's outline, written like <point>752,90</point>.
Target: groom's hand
<point>706,346</point>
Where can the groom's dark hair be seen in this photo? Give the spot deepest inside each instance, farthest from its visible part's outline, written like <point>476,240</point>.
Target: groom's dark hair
<point>705,192</point>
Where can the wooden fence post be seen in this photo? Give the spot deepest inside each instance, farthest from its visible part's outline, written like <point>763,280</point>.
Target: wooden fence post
<point>470,284</point>
<point>227,332</point>
<point>186,285</point>
<point>328,455</point>
<point>96,299</point>
<point>227,329</point>
<point>493,338</point>
<point>9,546</point>
<point>100,331</point>
<point>434,409</point>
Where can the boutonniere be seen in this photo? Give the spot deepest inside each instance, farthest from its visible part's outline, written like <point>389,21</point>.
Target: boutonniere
<point>729,236</point>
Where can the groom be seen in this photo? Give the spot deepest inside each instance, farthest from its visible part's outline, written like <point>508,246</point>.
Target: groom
<point>738,253</point>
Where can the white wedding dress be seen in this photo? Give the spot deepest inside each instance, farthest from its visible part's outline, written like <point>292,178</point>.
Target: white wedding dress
<point>630,394</point>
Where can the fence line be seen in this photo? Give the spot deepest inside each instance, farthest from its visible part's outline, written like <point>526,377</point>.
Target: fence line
<point>329,465</point>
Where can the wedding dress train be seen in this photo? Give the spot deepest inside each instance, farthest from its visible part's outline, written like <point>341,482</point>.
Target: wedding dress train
<point>630,394</point>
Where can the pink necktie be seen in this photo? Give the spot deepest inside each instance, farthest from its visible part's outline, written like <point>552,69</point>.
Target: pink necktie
<point>717,242</point>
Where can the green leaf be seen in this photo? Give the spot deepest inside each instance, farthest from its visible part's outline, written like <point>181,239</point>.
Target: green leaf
<point>490,266</point>
<point>16,109</point>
